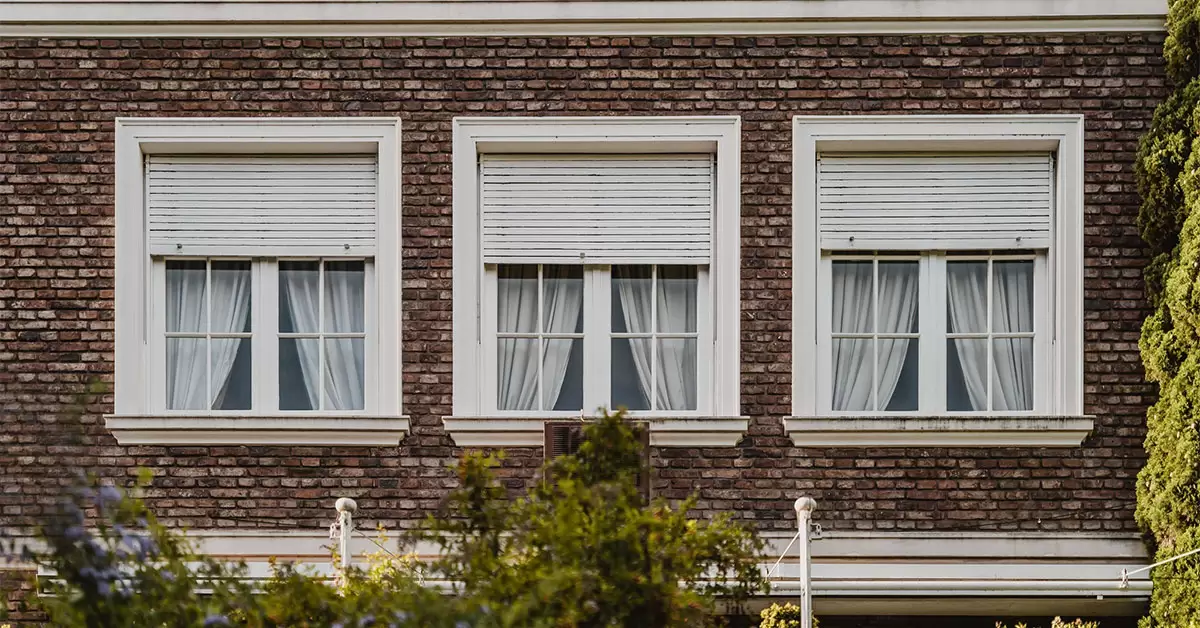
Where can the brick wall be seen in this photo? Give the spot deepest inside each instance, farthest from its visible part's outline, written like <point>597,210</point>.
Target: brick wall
<point>58,99</point>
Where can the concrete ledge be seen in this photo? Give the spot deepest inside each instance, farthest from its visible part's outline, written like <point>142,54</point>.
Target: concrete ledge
<point>357,430</point>
<point>664,431</point>
<point>891,431</point>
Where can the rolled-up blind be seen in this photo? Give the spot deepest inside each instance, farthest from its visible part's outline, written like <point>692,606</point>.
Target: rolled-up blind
<point>907,202</point>
<point>261,205</point>
<point>604,209</point>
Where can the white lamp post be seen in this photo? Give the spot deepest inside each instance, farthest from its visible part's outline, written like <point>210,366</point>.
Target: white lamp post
<point>346,508</point>
<point>804,510</point>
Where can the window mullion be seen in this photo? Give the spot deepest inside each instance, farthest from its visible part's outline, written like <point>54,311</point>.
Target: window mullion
<point>541,330</point>
<point>597,341</point>
<point>933,376</point>
<point>208,396</point>
<point>264,327</point>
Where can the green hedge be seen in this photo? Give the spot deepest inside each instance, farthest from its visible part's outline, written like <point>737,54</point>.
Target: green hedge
<point>1168,170</point>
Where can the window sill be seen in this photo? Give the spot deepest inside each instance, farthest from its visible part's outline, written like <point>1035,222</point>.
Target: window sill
<point>345,430</point>
<point>1006,431</point>
<point>691,431</point>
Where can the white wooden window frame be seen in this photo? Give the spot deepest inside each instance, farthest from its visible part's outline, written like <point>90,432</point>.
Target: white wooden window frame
<point>139,415</point>
<point>1058,419</point>
<point>475,421</point>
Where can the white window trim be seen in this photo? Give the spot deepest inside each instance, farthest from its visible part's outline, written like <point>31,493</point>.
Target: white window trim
<point>134,420</point>
<point>472,425</point>
<point>1060,422</point>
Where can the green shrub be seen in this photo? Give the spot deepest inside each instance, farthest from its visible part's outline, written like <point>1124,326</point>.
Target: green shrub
<point>782,616</point>
<point>1059,623</point>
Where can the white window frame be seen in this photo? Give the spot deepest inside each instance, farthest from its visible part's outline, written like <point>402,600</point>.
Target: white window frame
<point>1057,419</point>
<point>139,414</point>
<point>475,421</point>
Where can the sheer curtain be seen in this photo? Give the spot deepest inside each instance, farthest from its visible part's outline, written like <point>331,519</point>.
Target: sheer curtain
<point>636,294</point>
<point>898,294</point>
<point>563,293</point>
<point>1013,313</point>
<point>345,304</point>
<point>517,309</point>
<point>676,377</point>
<point>186,357</point>
<point>302,297</point>
<point>230,314</point>
<point>966,292</point>
<point>854,374</point>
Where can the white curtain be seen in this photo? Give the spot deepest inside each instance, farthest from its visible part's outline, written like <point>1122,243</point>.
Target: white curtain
<point>230,311</point>
<point>1013,356</point>
<point>852,359</point>
<point>303,298</point>
<point>345,305</point>
<point>676,377</point>
<point>186,360</point>
<point>517,306</point>
<point>636,294</point>
<point>563,293</point>
<point>966,291</point>
<point>898,294</point>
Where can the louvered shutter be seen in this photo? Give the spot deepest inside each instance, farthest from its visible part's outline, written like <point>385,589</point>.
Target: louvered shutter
<point>261,205</point>
<point>604,209</point>
<point>908,202</point>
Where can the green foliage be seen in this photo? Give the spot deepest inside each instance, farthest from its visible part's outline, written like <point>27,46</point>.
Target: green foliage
<point>1168,170</point>
<point>782,616</point>
<point>1059,623</point>
<point>579,550</point>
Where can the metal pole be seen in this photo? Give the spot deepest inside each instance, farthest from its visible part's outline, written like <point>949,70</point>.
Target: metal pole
<point>346,508</point>
<point>804,509</point>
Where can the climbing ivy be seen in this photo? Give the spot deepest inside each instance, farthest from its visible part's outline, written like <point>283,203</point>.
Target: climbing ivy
<point>1168,171</point>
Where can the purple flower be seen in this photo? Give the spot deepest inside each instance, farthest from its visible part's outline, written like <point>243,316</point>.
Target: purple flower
<point>108,495</point>
<point>366,621</point>
<point>73,533</point>
<point>96,548</point>
<point>212,621</point>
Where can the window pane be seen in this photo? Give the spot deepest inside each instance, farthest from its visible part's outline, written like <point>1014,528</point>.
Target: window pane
<point>187,366</point>
<point>299,297</point>
<point>853,376</point>
<point>677,287</point>
<point>230,297</point>
<point>344,297</point>
<point>231,372</point>
<point>631,365</point>
<point>299,367</point>
<point>186,311</point>
<point>562,373</point>
<point>516,296</point>
<point>344,381</point>
<point>676,385</point>
<point>966,370</point>
<point>563,296</point>
<point>853,297</point>
<point>1012,374</point>
<point>517,373</point>
<point>899,292</point>
<point>632,288</point>
<point>966,297</point>
<point>899,374</point>
<point>1012,296</point>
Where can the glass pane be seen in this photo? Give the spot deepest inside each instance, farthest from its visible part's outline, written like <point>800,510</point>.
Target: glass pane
<point>899,292</point>
<point>230,297</point>
<point>966,297</point>
<point>299,297</point>
<point>345,300</point>
<point>231,372</point>
<point>899,374</point>
<point>185,296</point>
<point>631,364</point>
<point>966,372</point>
<point>516,300</point>
<point>299,367</point>
<point>562,375</point>
<point>632,288</point>
<point>853,297</point>
<point>677,304</point>
<point>344,374</point>
<point>563,296</point>
<point>853,374</point>
<point>676,386</point>
<point>1012,374</point>
<point>1012,296</point>
<point>517,373</point>
<point>187,364</point>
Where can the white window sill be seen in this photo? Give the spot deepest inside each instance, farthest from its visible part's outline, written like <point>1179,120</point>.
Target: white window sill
<point>356,430</point>
<point>943,431</point>
<point>691,431</point>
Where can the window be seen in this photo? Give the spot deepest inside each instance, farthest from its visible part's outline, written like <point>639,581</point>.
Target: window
<point>259,292</point>
<point>595,265</point>
<point>938,287</point>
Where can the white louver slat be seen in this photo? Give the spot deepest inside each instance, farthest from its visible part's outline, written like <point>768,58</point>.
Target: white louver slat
<point>907,202</point>
<point>604,209</point>
<point>261,205</point>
